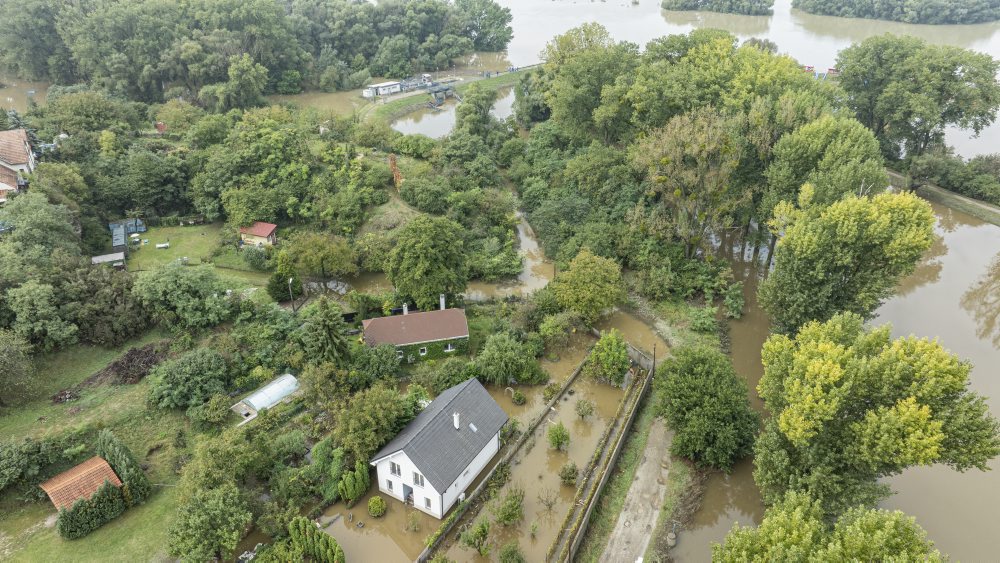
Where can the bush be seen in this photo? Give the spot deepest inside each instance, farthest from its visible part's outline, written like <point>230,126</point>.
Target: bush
<point>584,408</point>
<point>568,473</point>
<point>706,404</point>
<point>375,363</point>
<point>315,543</point>
<point>550,391</point>
<point>556,329</point>
<point>510,509</point>
<point>609,359</point>
<point>511,553</point>
<point>213,412</point>
<point>255,257</point>
<point>518,398</point>
<point>505,360</point>
<point>354,484</point>
<point>438,375</point>
<point>477,536</point>
<point>87,515</point>
<point>377,507</point>
<point>703,319</point>
<point>734,301</point>
<point>183,297</point>
<point>558,436</point>
<point>135,484</point>
<point>189,380</point>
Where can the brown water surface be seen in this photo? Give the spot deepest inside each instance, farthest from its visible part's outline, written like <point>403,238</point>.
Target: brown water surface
<point>438,122</point>
<point>15,93</point>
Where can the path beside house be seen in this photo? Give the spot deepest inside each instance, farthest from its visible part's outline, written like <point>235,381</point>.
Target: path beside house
<point>642,505</point>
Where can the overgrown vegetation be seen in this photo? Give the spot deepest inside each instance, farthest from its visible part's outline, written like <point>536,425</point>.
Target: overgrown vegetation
<point>912,11</point>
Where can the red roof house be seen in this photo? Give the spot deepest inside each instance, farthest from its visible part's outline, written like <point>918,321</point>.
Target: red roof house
<point>260,233</point>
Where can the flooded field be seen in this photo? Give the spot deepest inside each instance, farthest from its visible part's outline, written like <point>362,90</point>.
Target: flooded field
<point>15,93</point>
<point>438,122</point>
<point>952,296</point>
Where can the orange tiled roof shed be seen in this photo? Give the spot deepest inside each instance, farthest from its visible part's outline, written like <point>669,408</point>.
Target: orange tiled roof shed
<point>79,482</point>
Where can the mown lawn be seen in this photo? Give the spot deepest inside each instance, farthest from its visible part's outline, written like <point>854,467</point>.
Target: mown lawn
<point>26,526</point>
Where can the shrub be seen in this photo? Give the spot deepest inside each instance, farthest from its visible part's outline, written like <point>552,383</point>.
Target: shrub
<point>183,297</point>
<point>379,362</point>
<point>706,404</point>
<point>135,484</point>
<point>511,553</point>
<point>315,543</point>
<point>510,509</point>
<point>87,515</point>
<point>477,536</point>
<point>438,375</point>
<point>255,257</point>
<point>584,408</point>
<point>189,380</point>
<point>609,359</point>
<point>504,360</point>
<point>568,473</point>
<point>354,484</point>
<point>556,329</point>
<point>518,398</point>
<point>213,412</point>
<point>558,436</point>
<point>734,301</point>
<point>703,319</point>
<point>377,507</point>
<point>550,391</point>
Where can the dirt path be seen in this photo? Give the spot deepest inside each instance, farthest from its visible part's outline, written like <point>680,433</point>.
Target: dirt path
<point>642,505</point>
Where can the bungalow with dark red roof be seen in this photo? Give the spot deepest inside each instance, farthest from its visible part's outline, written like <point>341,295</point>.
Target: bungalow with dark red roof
<point>259,234</point>
<point>420,336</point>
<point>16,161</point>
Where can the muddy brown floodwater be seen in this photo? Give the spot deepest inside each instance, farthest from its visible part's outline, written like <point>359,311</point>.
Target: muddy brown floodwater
<point>954,296</point>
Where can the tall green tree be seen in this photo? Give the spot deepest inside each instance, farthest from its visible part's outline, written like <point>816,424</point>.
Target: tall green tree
<point>183,297</point>
<point>37,318</point>
<point>486,23</point>
<point>429,259</point>
<point>851,406</point>
<point>691,163</point>
<point>590,285</point>
<point>795,529</point>
<point>609,359</point>
<point>907,91</point>
<point>209,525</point>
<point>16,369</point>
<point>323,333</point>
<point>321,255</point>
<point>849,257</point>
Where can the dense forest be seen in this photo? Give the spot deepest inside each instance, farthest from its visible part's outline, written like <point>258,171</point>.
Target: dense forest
<point>909,11</point>
<point>151,50</point>
<point>748,7</point>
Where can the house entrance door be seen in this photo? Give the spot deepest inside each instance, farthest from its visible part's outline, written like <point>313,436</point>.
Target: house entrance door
<point>408,494</point>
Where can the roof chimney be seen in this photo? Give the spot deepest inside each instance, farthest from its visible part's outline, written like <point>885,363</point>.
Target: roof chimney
<point>406,308</point>
<point>442,302</point>
<point>457,425</point>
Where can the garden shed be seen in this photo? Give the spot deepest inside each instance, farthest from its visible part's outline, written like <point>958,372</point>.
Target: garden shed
<point>80,482</point>
<point>266,397</point>
<point>259,234</point>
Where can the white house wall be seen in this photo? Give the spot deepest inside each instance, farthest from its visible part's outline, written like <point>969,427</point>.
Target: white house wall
<point>467,476</point>
<point>419,493</point>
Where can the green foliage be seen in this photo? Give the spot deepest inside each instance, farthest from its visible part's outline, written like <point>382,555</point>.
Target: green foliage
<point>979,178</point>
<point>376,362</point>
<point>371,418</point>
<point>748,7</point>
<point>705,403</point>
<point>316,544</point>
<point>183,297</point>
<point>584,408</point>
<point>212,412</point>
<point>477,536</point>
<point>189,380</point>
<point>354,484</point>
<point>326,470</point>
<point>377,507</point>
<point>511,553</point>
<point>518,398</point>
<point>509,510</point>
<point>504,360</point>
<point>795,529</point>
<point>703,319</point>
<point>37,318</point>
<point>550,391</point>
<point>323,334</point>
<point>822,268</point>
<point>851,406</point>
<point>556,329</point>
<point>914,11</point>
<point>16,369</point>
<point>210,524</point>
<point>321,255</point>
<point>255,257</point>
<point>87,515</point>
<point>733,300</point>
<point>438,375</point>
<point>135,485</point>
<point>278,286</point>
<point>428,260</point>
<point>959,88</point>
<point>589,286</point>
<point>609,359</point>
<point>568,473</point>
<point>558,436</point>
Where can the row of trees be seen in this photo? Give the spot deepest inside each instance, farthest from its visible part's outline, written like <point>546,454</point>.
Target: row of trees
<point>748,7</point>
<point>227,52</point>
<point>909,11</point>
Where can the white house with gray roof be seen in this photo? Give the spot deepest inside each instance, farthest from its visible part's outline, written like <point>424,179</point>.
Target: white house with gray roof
<point>431,462</point>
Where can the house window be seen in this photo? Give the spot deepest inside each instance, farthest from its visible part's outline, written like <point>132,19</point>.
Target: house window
<point>388,484</point>
<point>423,351</point>
<point>418,479</point>
<point>427,503</point>
<point>395,469</point>
<point>449,347</point>
<point>399,354</point>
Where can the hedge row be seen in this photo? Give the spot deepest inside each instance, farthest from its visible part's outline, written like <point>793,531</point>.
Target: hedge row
<point>314,543</point>
<point>85,515</point>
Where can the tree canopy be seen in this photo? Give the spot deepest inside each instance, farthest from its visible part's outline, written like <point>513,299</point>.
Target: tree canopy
<point>748,7</point>
<point>589,286</point>
<point>910,11</point>
<point>428,260</point>
<point>850,406</point>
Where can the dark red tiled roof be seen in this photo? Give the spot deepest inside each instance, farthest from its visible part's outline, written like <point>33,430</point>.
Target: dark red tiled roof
<point>12,146</point>
<point>79,482</point>
<point>415,328</point>
<point>259,229</point>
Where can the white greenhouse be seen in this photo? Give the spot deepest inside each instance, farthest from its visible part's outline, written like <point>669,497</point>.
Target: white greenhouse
<point>266,397</point>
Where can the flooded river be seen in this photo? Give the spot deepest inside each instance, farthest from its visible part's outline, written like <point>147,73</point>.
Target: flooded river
<point>954,296</point>
<point>438,122</point>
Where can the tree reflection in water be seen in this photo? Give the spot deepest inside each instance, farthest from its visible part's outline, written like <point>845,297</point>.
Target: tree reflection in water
<point>983,301</point>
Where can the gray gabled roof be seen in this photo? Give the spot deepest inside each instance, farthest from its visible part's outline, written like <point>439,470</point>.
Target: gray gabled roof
<point>430,440</point>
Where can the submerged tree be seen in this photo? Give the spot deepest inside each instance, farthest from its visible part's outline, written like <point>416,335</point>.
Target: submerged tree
<point>851,406</point>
